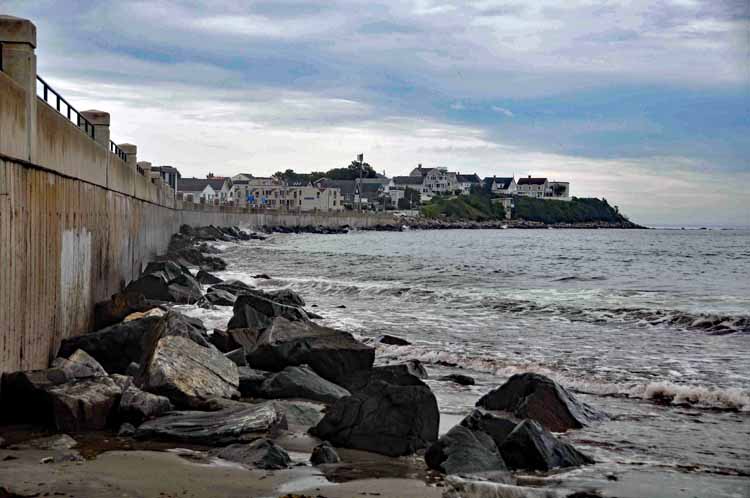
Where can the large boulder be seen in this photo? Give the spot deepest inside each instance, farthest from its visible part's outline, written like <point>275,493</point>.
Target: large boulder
<point>466,452</point>
<point>531,447</point>
<point>137,406</point>
<point>389,413</point>
<point>330,353</point>
<point>324,453</point>
<point>301,382</point>
<point>302,414</point>
<point>114,347</point>
<point>257,310</point>
<point>86,404</point>
<point>166,281</point>
<point>219,297</point>
<point>412,367</point>
<point>534,396</point>
<point>260,454</point>
<point>237,422</point>
<point>80,365</point>
<point>118,307</point>
<point>251,381</point>
<point>189,374</point>
<point>496,427</point>
<point>287,297</point>
<point>235,287</point>
<point>232,339</point>
<point>25,397</point>
<point>206,278</point>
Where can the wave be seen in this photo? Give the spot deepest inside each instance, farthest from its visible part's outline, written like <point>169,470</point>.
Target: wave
<point>662,392</point>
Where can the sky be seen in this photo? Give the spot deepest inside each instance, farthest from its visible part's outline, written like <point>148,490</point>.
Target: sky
<point>644,103</point>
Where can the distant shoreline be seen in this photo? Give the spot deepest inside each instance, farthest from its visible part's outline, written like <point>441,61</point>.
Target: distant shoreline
<point>433,224</point>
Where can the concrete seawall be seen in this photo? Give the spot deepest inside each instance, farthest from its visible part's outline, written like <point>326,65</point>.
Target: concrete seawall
<point>77,221</point>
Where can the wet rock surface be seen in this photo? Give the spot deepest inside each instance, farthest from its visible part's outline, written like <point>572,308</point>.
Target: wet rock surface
<point>328,352</point>
<point>460,379</point>
<point>237,422</point>
<point>531,447</point>
<point>496,427</point>
<point>301,382</point>
<point>324,453</point>
<point>137,406</point>
<point>465,452</point>
<point>166,281</point>
<point>537,397</point>
<point>260,454</point>
<point>86,404</point>
<point>257,310</point>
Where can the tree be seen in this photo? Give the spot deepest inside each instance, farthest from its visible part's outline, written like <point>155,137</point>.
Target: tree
<point>410,200</point>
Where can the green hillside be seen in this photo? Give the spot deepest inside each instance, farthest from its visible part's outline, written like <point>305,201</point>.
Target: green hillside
<point>578,210</point>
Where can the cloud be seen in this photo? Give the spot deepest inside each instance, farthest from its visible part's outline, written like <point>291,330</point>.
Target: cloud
<point>458,106</point>
<point>503,110</point>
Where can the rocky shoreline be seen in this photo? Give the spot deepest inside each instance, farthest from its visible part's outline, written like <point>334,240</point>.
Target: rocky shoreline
<point>249,393</point>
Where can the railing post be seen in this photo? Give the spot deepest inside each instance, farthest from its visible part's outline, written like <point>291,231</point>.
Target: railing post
<point>132,152</point>
<point>146,167</point>
<point>100,121</point>
<point>18,41</point>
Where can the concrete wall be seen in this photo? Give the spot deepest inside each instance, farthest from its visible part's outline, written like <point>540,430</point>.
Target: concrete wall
<point>76,221</point>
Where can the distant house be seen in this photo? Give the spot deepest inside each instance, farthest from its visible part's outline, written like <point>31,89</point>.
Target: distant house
<point>465,182</point>
<point>282,197</point>
<point>501,184</point>
<point>436,181</point>
<point>559,191</point>
<point>346,187</point>
<point>168,174</point>
<point>532,187</point>
<point>398,185</point>
<point>196,189</point>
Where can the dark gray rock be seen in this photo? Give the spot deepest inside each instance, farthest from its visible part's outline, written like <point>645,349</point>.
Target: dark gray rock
<point>496,427</point>
<point>257,310</point>
<point>262,276</point>
<point>133,369</point>
<point>260,454</point>
<point>118,307</point>
<point>392,340</point>
<point>301,382</point>
<point>387,413</point>
<point>86,404</point>
<point>301,413</point>
<point>137,406</point>
<point>122,381</point>
<point>189,374</point>
<point>411,367</point>
<point>114,347</point>
<point>234,287</point>
<point>219,297</point>
<point>232,339</point>
<point>80,365</point>
<point>238,357</point>
<point>206,278</point>
<point>537,397</point>
<point>465,452</point>
<point>330,353</point>
<point>531,447</point>
<point>25,397</point>
<point>286,297</point>
<point>166,281</point>
<point>126,430</point>
<point>237,422</point>
<point>463,380</point>
<point>324,453</point>
<point>251,381</point>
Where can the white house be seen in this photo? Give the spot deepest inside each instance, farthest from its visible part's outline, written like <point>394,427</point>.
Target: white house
<point>501,184</point>
<point>306,198</point>
<point>196,189</point>
<point>532,187</point>
<point>559,191</point>
<point>465,182</point>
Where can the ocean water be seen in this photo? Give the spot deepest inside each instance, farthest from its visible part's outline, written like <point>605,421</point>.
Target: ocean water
<point>652,326</point>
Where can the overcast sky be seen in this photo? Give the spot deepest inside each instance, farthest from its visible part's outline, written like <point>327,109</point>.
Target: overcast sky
<point>646,103</point>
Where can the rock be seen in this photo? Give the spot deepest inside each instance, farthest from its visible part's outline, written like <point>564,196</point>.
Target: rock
<point>80,365</point>
<point>392,340</point>
<point>118,307</point>
<point>25,397</point>
<point>166,281</point>
<point>260,454</point>
<point>257,311</point>
<point>464,380</point>
<point>411,367</point>
<point>144,314</point>
<point>324,453</point>
<point>114,347</point>
<point>137,406</point>
<point>237,356</point>
<point>465,452</point>
<point>189,374</point>
<point>531,447</point>
<point>537,397</point>
<point>219,297</point>
<point>496,427</point>
<point>235,423</point>
<point>133,369</point>
<point>44,460</point>
<point>126,430</point>
<point>213,263</point>
<point>301,413</point>
<point>251,381</point>
<point>262,276</point>
<point>229,340</point>
<point>122,381</point>
<point>330,353</point>
<point>287,297</point>
<point>86,404</point>
<point>235,287</point>
<point>205,278</point>
<point>58,442</point>
<point>301,382</point>
<point>387,413</point>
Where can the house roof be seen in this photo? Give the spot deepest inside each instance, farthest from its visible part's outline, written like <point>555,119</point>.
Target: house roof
<point>166,169</point>
<point>407,180</point>
<point>422,171</point>
<point>378,181</point>
<point>473,178</point>
<point>346,186</point>
<point>531,181</point>
<point>199,184</point>
<point>370,188</point>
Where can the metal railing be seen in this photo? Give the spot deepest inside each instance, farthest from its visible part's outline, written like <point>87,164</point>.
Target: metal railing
<point>79,121</point>
<point>114,149</point>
